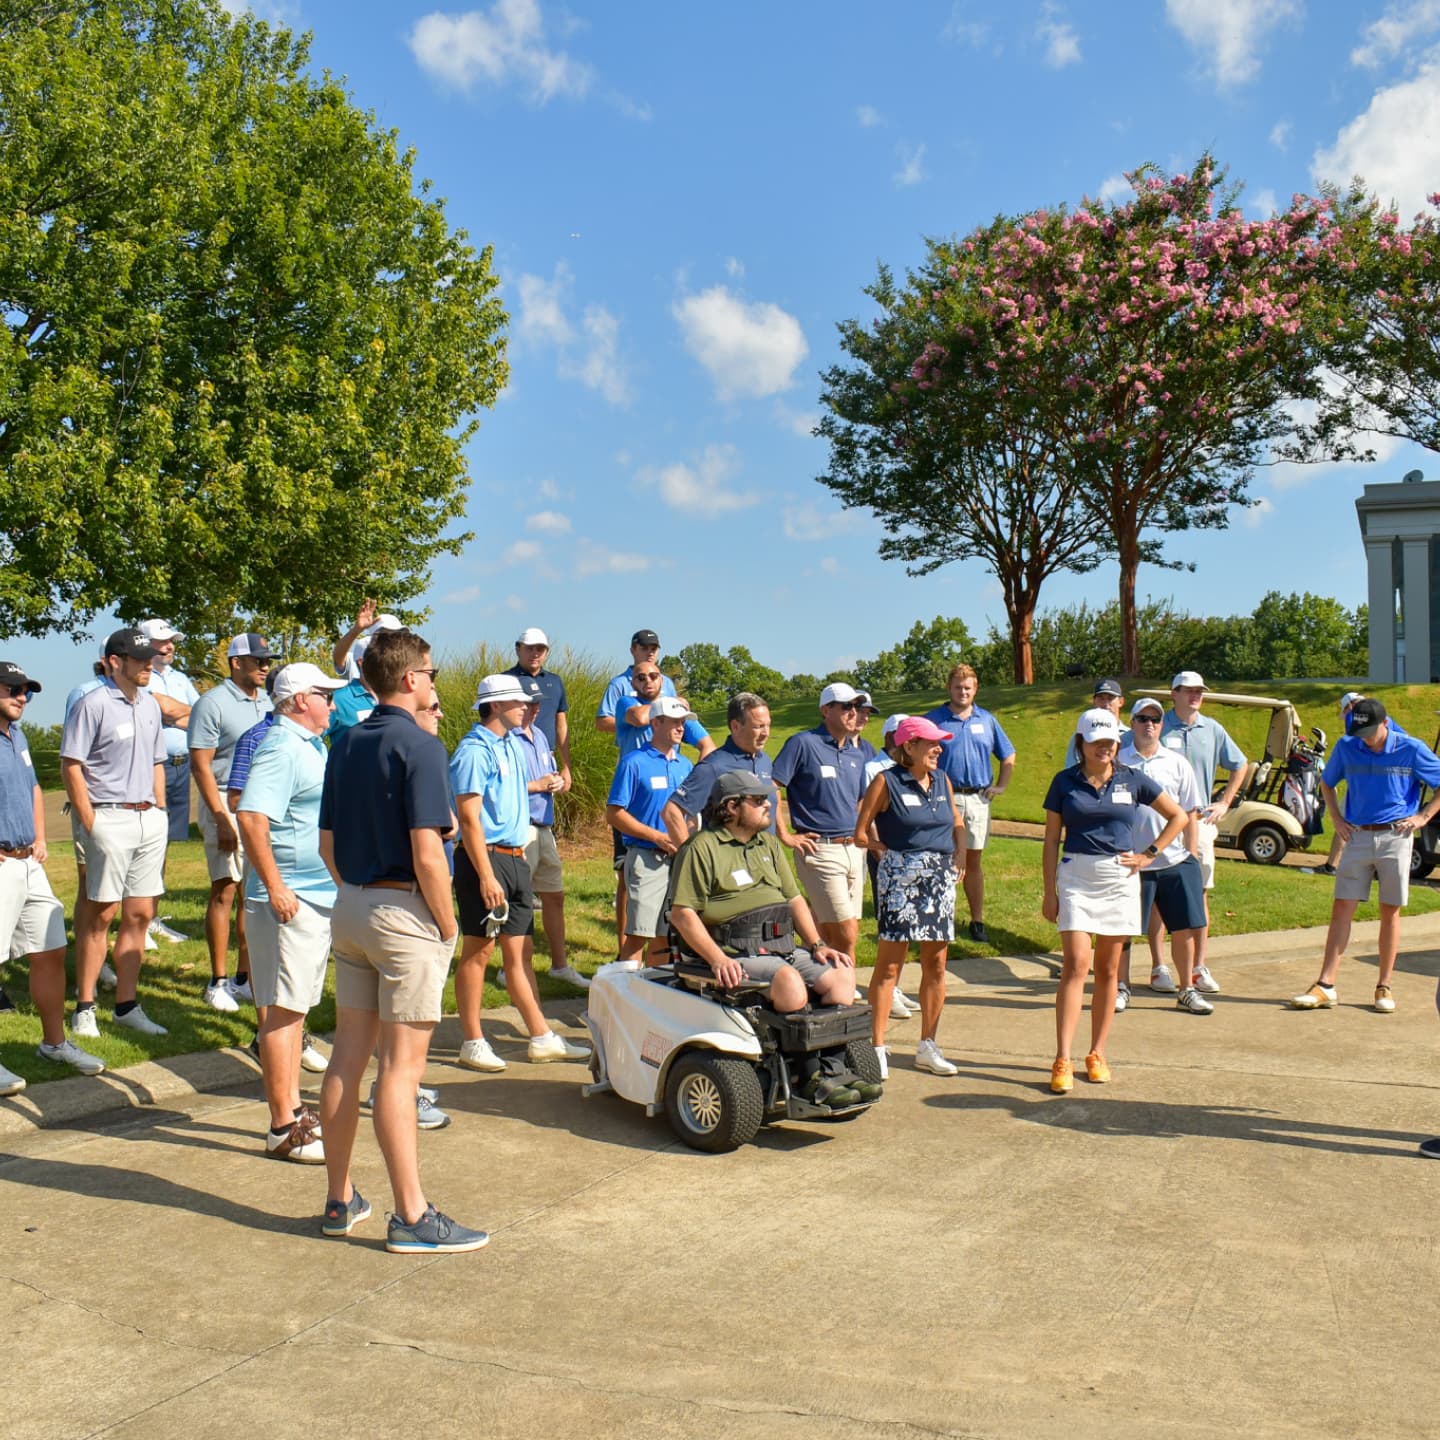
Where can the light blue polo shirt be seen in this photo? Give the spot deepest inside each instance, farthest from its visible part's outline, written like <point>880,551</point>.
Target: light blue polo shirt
<point>174,685</point>
<point>617,690</point>
<point>287,777</point>
<point>17,790</point>
<point>1384,787</point>
<point>117,743</point>
<point>644,781</point>
<point>80,691</point>
<point>220,717</point>
<point>539,762</point>
<point>1205,744</point>
<point>493,768</point>
<point>978,739</point>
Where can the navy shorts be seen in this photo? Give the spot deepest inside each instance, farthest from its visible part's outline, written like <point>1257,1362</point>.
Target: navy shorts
<point>1178,892</point>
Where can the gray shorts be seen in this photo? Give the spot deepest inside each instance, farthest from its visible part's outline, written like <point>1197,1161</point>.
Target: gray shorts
<point>287,962</point>
<point>766,967</point>
<point>125,855</point>
<point>647,881</point>
<point>1375,854</point>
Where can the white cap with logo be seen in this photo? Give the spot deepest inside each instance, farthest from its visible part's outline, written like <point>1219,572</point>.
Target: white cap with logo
<point>161,630</point>
<point>296,678</point>
<point>842,694</point>
<point>533,635</point>
<point>1098,724</point>
<point>1189,680</point>
<point>669,707</point>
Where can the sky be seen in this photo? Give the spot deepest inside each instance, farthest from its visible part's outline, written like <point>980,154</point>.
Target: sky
<point>683,202</point>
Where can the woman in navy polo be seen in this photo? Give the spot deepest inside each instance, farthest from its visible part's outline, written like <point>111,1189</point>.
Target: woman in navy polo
<point>913,811</point>
<point>1093,888</point>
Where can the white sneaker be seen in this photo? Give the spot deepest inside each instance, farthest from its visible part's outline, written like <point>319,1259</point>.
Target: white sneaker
<point>300,1143</point>
<point>477,1055</point>
<point>883,1056</point>
<point>1205,982</point>
<point>107,977</point>
<point>161,931</point>
<point>901,1006</point>
<point>311,1058</point>
<point>10,1083</point>
<point>240,990</point>
<point>1192,1000</point>
<point>571,976</point>
<point>84,1024</point>
<point>930,1057</point>
<point>1122,999</point>
<point>1162,982</point>
<point>137,1019</point>
<point>545,1048</point>
<point>67,1052</point>
<point>150,942</point>
<point>218,996</point>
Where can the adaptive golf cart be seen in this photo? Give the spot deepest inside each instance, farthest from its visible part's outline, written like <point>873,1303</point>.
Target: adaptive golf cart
<point>1278,806</point>
<point>719,1062</point>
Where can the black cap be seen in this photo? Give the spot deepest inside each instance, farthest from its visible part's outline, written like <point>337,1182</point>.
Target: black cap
<point>134,644</point>
<point>644,637</point>
<point>12,675</point>
<point>1366,716</point>
<point>1108,686</point>
<point>735,783</point>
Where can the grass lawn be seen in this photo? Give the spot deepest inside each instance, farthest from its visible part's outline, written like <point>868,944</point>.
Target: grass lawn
<point>1249,898</point>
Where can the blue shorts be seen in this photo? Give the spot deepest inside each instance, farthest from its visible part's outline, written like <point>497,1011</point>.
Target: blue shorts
<point>1179,893</point>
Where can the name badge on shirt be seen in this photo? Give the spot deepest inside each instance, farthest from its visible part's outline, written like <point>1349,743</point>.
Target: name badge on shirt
<point>364,714</point>
<point>977,727</point>
<point>1121,796</point>
<point>124,732</point>
<point>25,756</point>
<point>911,800</point>
<point>742,877</point>
<point>827,772</point>
<point>1174,742</point>
<point>659,782</point>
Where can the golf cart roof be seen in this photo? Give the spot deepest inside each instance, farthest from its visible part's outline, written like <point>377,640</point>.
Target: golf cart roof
<point>1223,697</point>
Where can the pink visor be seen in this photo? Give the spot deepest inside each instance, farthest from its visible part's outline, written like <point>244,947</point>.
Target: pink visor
<point>919,728</point>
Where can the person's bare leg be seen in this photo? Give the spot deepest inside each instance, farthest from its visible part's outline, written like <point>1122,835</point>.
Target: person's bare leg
<point>889,957</point>
<point>842,935</point>
<point>350,1051</point>
<point>932,986</point>
<point>1337,938</point>
<point>520,983</point>
<point>217,925</point>
<point>47,990</point>
<point>404,1047</point>
<point>1070,994</point>
<point>1182,951</point>
<point>1201,936</point>
<point>135,917</point>
<point>836,986</point>
<point>974,883</point>
<point>279,1037</point>
<point>92,926</point>
<point>1102,993</point>
<point>633,947</point>
<point>552,922</point>
<point>1389,942</point>
<point>475,953</point>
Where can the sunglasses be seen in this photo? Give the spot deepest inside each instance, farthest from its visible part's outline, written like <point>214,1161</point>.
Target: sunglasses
<point>433,709</point>
<point>1145,719</point>
<point>432,673</point>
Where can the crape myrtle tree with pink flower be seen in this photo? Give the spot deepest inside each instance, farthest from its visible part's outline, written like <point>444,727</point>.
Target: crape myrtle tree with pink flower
<point>1071,385</point>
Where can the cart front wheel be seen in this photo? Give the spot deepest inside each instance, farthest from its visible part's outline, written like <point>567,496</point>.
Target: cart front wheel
<point>1420,863</point>
<point>1264,845</point>
<point>713,1102</point>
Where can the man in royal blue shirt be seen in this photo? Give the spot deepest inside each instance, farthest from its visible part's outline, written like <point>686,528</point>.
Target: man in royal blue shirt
<point>1383,771</point>
<point>968,760</point>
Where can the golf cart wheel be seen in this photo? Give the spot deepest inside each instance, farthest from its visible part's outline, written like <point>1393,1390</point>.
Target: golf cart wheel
<point>1420,864</point>
<point>713,1102</point>
<point>1264,844</point>
<point>862,1061</point>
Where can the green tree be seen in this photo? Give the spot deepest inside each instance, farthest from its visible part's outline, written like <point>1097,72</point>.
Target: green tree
<point>921,661</point>
<point>242,350</point>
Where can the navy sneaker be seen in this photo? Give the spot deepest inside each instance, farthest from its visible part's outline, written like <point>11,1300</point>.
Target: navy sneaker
<point>340,1218</point>
<point>1430,1149</point>
<point>432,1234</point>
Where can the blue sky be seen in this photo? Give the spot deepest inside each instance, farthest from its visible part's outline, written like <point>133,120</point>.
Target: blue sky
<point>684,200</point>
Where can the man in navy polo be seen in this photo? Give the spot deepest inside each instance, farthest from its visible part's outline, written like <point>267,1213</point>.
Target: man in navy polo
<point>1383,771</point>
<point>531,651</point>
<point>748,717</point>
<point>644,781</point>
<point>822,772</point>
<point>969,761</point>
<point>384,808</point>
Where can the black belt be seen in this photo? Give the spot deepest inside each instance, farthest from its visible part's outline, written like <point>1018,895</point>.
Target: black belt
<point>971,789</point>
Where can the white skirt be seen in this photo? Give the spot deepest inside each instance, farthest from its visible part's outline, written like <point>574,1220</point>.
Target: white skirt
<point>1098,895</point>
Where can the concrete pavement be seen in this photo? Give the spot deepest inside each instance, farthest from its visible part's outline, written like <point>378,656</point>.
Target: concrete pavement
<point>1236,1235</point>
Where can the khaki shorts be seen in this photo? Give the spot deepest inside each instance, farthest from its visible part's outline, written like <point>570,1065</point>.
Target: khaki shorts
<point>32,920</point>
<point>221,864</point>
<point>287,962</point>
<point>976,811</point>
<point>389,956</point>
<point>1205,854</point>
<point>834,881</point>
<point>647,881</point>
<point>125,855</point>
<point>543,858</point>
<point>1371,855</point>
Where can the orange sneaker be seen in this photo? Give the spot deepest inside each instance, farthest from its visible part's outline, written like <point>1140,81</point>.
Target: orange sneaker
<point>1062,1077</point>
<point>1096,1070</point>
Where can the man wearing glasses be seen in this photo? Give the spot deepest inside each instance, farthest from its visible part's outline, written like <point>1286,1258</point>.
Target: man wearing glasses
<point>112,760</point>
<point>32,921</point>
<point>822,772</point>
<point>289,896</point>
<point>219,718</point>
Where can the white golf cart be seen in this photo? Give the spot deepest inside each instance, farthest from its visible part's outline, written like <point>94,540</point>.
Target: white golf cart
<point>1259,822</point>
<point>720,1063</point>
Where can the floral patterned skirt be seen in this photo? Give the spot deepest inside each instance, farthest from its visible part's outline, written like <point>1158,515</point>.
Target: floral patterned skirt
<point>915,895</point>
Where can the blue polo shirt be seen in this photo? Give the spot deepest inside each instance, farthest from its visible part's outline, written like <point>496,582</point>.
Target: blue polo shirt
<point>493,767</point>
<point>1100,822</point>
<point>553,700</point>
<point>617,690</point>
<point>244,752</point>
<point>1384,787</point>
<point>636,737</point>
<point>822,782</point>
<point>978,739</point>
<point>118,743</point>
<point>219,718</point>
<point>386,777</point>
<point>1205,744</point>
<point>286,780</point>
<point>917,817</point>
<point>353,702</point>
<point>693,793</point>
<point>17,790</point>
<point>539,762</point>
<point>174,685</point>
<point>644,781</point>
<point>80,691</point>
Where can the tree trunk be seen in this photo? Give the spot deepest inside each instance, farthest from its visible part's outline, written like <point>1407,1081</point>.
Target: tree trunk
<point>1129,550</point>
<point>1022,622</point>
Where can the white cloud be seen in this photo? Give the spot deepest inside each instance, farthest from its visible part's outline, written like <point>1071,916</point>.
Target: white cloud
<point>701,489</point>
<point>549,490</point>
<point>513,602</point>
<point>798,422</point>
<point>912,165</point>
<point>522,552</point>
<point>502,45</point>
<point>868,116</point>
<point>1396,31</point>
<point>748,348</point>
<point>1264,204</point>
<point>1254,516</point>
<point>962,30</point>
<point>462,597</point>
<point>542,307</point>
<point>596,559</point>
<point>734,268</point>
<point>829,564</point>
<point>594,360</point>
<point>1116,190</point>
<point>549,522</point>
<point>1386,145</point>
<point>1230,33</point>
<point>807,521</point>
<point>1280,135</point>
<point>1062,44</point>
<point>600,367</point>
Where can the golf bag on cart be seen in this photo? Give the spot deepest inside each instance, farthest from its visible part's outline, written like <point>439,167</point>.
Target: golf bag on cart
<point>1300,793</point>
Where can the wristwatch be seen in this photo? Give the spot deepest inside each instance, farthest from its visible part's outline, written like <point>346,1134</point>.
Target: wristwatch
<point>1152,851</point>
